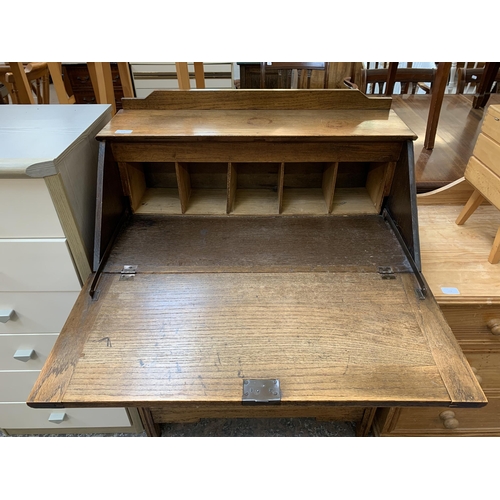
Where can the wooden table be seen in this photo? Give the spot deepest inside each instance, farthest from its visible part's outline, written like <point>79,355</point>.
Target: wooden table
<point>459,126</point>
<point>270,266</point>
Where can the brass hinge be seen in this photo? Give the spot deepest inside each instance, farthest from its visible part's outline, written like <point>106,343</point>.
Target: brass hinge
<point>261,391</point>
<point>128,272</point>
<point>386,273</point>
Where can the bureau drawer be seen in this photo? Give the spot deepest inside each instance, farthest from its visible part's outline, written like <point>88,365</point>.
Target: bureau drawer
<point>36,312</point>
<point>488,152</point>
<point>487,364</point>
<point>20,416</point>
<point>427,421</point>
<point>470,323</point>
<point>491,124</point>
<point>28,265</point>
<point>27,210</point>
<point>10,345</point>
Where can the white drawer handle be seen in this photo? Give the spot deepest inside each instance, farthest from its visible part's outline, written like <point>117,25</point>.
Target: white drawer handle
<point>57,417</point>
<point>6,314</point>
<point>24,354</point>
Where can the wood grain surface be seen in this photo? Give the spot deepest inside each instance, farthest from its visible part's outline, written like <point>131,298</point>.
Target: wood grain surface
<point>165,124</point>
<point>164,338</point>
<point>256,244</point>
<point>457,256</point>
<point>258,99</point>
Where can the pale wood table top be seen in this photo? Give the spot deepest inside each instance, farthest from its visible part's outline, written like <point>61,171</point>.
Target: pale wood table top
<point>456,257</point>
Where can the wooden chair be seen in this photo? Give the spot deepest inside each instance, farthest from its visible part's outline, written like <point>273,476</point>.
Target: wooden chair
<point>483,173</point>
<point>37,75</point>
<point>305,75</point>
<point>183,75</point>
<point>411,79</point>
<point>4,94</point>
<point>469,78</point>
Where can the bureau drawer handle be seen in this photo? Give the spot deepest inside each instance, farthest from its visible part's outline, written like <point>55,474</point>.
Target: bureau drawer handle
<point>6,314</point>
<point>449,420</point>
<point>478,377</point>
<point>24,354</point>
<point>494,326</point>
<point>57,417</point>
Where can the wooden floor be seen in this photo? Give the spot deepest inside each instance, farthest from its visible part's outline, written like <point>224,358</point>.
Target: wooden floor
<point>459,126</point>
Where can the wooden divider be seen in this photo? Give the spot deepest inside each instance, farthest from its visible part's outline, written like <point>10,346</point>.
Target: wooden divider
<point>285,188</point>
<point>329,180</point>
<point>183,184</point>
<point>231,187</point>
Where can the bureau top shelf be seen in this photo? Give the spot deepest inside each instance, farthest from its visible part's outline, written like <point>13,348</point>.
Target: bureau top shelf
<point>322,115</point>
<point>345,125</point>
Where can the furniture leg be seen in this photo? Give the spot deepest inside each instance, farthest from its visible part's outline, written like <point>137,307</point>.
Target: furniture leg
<point>126,81</point>
<point>494,257</point>
<point>46,89</point>
<point>102,81</point>
<point>183,75</point>
<point>484,87</point>
<point>470,207</point>
<point>24,94</point>
<point>438,90</point>
<point>363,427</point>
<point>391,78</point>
<point>150,426</point>
<point>55,74</point>
<point>199,75</point>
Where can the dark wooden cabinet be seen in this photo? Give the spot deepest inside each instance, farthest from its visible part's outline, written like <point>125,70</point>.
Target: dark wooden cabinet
<point>78,83</point>
<point>275,78</point>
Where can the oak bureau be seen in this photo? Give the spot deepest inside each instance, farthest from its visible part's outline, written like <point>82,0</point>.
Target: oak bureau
<point>256,254</point>
<point>48,165</point>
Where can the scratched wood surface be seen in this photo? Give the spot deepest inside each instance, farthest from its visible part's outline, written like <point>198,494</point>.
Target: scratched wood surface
<point>256,244</point>
<point>343,338</point>
<point>342,124</point>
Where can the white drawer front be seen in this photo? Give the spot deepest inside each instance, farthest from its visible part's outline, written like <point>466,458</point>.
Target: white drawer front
<point>22,346</point>
<point>15,387</point>
<point>36,312</point>
<point>171,68</point>
<point>36,265</point>
<point>27,210</point>
<point>21,416</point>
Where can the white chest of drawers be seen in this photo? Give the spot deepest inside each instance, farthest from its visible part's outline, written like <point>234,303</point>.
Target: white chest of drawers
<point>48,172</point>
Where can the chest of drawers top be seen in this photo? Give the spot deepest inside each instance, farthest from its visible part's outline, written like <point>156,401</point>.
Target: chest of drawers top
<point>36,140</point>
